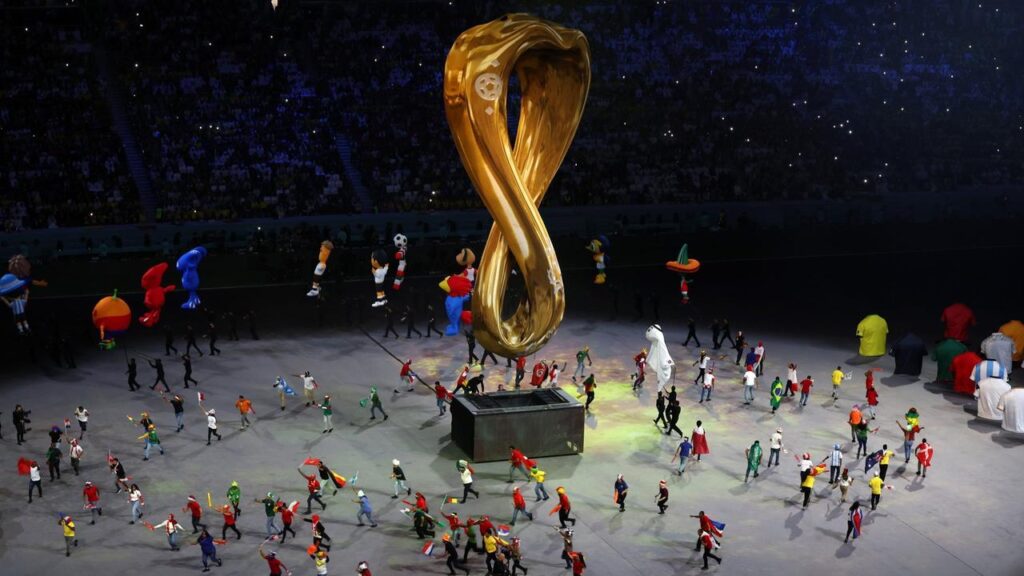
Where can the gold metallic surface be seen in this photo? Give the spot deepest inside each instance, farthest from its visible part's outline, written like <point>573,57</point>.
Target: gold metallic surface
<point>552,65</point>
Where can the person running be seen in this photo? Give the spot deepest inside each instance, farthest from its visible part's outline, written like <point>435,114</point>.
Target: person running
<point>211,333</point>
<point>208,549</point>
<point>749,384</point>
<point>564,508</point>
<point>516,555</point>
<point>441,395</point>
<point>277,568</point>
<point>320,560</point>
<point>70,537</point>
<point>91,496</point>
<point>661,499</point>
<point>432,323</point>
<point>837,380</point>
<point>853,522</point>
<point>673,412</point>
<point>582,356</point>
<point>710,544</point>
<point>178,404</point>
<point>621,491</point>
<point>691,333</point>
<point>854,420</point>
<point>491,544</point>
<point>75,452</point>
<point>82,416</point>
<point>844,484</point>
<point>567,552</point>
<point>287,517</point>
<point>452,552</point>
<point>754,454</point>
<point>640,361</point>
<point>883,461</point>
<point>190,340</point>
<point>792,382</point>
<point>376,405</point>
<point>35,480</point>
<point>270,510</point>
<point>234,495</point>
<point>137,501</point>
<point>805,389</point>
<point>328,414</point>
<point>909,432</point>
<point>365,509</point>
<point>169,340</point>
<point>398,475</point>
<point>466,475</point>
<point>702,364</point>
<point>244,406</point>
<point>518,461</point>
<point>151,440</point>
<point>519,506</point>
<point>876,484</point>
<point>660,404</point>
<point>588,388</point>
<point>309,386</point>
<point>53,456</point>
<point>700,442</point>
<point>158,365</point>
<point>520,371</point>
<point>683,452</point>
<point>211,424</point>
<point>187,361</point>
<point>196,512</point>
<point>872,398</point>
<point>120,476</point>
<point>320,537</point>
<point>924,452</point>
<point>313,487</point>
<point>229,523</point>
<point>171,528</point>
<point>538,488</point>
<point>406,377</point>
<point>133,373</point>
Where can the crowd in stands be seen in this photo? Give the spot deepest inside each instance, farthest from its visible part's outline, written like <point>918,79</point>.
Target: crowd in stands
<point>242,110</point>
<point>62,164</point>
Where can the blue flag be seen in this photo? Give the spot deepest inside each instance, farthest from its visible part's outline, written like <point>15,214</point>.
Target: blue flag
<point>871,460</point>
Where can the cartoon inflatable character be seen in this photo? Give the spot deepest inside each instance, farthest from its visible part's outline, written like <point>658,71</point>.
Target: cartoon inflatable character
<point>188,265</point>
<point>401,247</point>
<point>379,269</point>
<point>111,316</point>
<point>598,247</point>
<point>154,299</point>
<point>14,293</point>
<point>22,268</point>
<point>466,258</point>
<point>459,289</point>
<point>684,265</point>
<point>658,358</point>
<point>325,252</point>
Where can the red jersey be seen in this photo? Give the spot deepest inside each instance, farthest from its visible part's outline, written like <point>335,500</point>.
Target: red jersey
<point>462,377</point>
<point>275,565</point>
<point>440,392</point>
<point>805,385</point>
<point>578,565</point>
<point>406,369</point>
<point>229,517</point>
<point>518,501</point>
<point>486,526</point>
<point>195,508</point>
<point>286,514</point>
<point>521,364</point>
<point>312,484</point>
<point>563,502</point>
<point>540,372</point>
<point>92,493</point>
<point>421,503</point>
<point>924,454</point>
<point>869,379</point>
<point>708,527</point>
<point>872,396</point>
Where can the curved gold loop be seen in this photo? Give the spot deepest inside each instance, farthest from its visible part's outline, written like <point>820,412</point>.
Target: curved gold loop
<point>552,64</point>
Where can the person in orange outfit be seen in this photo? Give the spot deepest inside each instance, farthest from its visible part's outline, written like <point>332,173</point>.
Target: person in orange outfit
<point>244,406</point>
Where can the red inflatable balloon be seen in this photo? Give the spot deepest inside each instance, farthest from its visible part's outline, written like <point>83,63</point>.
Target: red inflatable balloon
<point>155,294</point>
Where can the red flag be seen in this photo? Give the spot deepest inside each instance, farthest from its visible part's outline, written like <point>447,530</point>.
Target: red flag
<point>201,397</point>
<point>311,462</point>
<point>555,509</point>
<point>24,465</point>
<point>338,479</point>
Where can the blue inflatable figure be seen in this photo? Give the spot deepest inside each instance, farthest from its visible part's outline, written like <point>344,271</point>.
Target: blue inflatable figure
<point>459,291</point>
<point>188,265</point>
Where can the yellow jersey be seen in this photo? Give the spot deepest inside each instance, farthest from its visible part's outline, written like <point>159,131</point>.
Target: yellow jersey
<point>69,528</point>
<point>876,485</point>
<point>837,377</point>
<point>885,457</point>
<point>538,474</point>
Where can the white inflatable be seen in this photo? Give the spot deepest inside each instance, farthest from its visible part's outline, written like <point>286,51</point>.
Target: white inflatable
<point>658,358</point>
<point>1012,405</point>
<point>989,392</point>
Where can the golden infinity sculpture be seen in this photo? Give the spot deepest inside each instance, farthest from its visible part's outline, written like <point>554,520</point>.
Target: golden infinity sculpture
<point>552,64</point>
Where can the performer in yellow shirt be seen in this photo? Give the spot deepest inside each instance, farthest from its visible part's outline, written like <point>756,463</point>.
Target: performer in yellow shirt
<point>876,484</point>
<point>883,462</point>
<point>837,379</point>
<point>69,534</point>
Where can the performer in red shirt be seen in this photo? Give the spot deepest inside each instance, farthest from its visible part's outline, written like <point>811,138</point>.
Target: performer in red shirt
<point>197,513</point>
<point>520,370</point>
<point>540,373</point>
<point>519,506</point>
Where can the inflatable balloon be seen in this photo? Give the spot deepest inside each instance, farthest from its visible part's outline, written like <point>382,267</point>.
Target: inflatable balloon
<point>154,299</point>
<point>188,265</point>
<point>597,248</point>
<point>684,265</point>
<point>379,269</point>
<point>401,249</point>
<point>466,258</point>
<point>22,268</point>
<point>658,359</point>
<point>552,64</point>
<point>111,316</point>
<point>14,293</point>
<point>326,247</point>
<point>458,288</point>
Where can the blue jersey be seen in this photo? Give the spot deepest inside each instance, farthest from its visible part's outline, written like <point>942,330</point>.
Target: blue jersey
<point>684,449</point>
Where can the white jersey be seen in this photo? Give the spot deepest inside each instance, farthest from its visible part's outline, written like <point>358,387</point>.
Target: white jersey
<point>749,378</point>
<point>82,416</point>
<point>211,421</point>
<point>308,382</point>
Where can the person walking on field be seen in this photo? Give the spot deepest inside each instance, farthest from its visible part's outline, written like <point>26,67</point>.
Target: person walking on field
<point>753,459</point>
<point>662,498</point>
<point>775,447</point>
<point>805,389</point>
<point>244,406</point>
<point>683,453</point>
<point>837,380</point>
<point>70,536</point>
<point>924,453</point>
